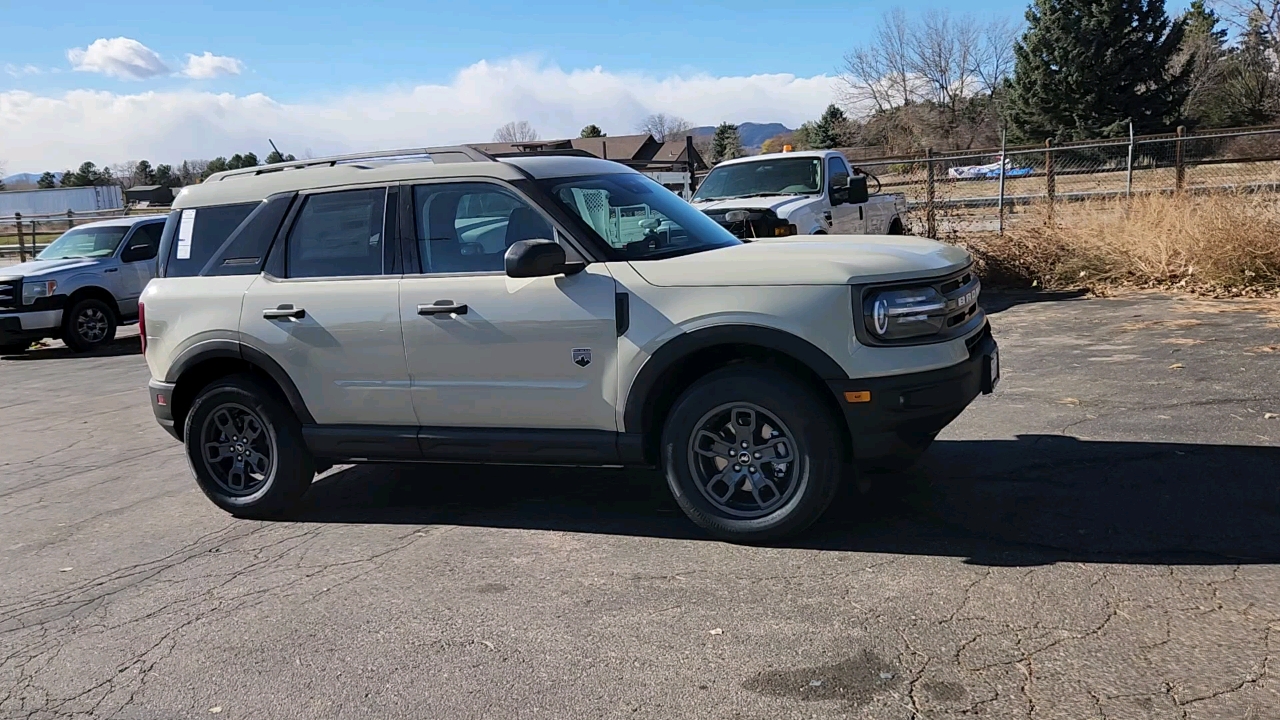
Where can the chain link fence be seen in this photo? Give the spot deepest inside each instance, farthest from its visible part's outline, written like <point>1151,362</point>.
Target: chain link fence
<point>954,194</point>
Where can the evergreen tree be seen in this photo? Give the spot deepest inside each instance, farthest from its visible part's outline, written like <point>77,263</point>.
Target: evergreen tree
<point>47,181</point>
<point>1249,91</point>
<point>275,156</point>
<point>591,131</point>
<point>829,131</point>
<point>726,144</point>
<point>1087,68</point>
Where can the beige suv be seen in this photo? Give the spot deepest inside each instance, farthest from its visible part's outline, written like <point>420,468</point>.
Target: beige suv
<point>443,305</point>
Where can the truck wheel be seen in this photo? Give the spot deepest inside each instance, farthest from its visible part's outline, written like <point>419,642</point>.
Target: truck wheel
<point>246,450</point>
<point>88,325</point>
<point>751,454</point>
<point>895,227</point>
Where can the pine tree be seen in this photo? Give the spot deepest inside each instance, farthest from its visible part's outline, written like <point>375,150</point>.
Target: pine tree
<point>591,131</point>
<point>47,181</point>
<point>829,130</point>
<point>1249,92</point>
<point>726,144</point>
<point>1087,68</point>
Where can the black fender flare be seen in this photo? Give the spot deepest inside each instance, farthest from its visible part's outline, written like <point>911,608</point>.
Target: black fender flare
<point>684,345</point>
<point>214,349</point>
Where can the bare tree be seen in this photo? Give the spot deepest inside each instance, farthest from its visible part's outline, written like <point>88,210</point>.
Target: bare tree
<point>1265,13</point>
<point>664,127</point>
<point>515,131</point>
<point>935,57</point>
<point>124,173</point>
<point>878,76</point>
<point>994,59</point>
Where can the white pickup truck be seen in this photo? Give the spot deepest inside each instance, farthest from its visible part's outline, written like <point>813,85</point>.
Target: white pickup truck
<point>796,193</point>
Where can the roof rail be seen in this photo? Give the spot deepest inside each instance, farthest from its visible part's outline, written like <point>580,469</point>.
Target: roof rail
<point>440,155</point>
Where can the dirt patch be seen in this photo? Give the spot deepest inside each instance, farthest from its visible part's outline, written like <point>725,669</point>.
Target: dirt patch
<point>1147,324</point>
<point>1182,341</point>
<point>854,681</point>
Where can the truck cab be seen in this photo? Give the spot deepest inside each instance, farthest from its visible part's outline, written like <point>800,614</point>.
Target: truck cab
<point>812,192</point>
<point>81,287</point>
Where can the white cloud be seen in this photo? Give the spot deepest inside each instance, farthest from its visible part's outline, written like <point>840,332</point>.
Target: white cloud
<point>121,57</point>
<point>20,70</point>
<point>50,132</point>
<point>208,66</point>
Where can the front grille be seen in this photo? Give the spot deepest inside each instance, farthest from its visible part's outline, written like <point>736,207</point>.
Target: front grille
<point>10,293</point>
<point>759,223</point>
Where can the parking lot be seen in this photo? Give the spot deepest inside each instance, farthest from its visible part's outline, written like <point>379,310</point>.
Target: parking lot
<point>1097,539</point>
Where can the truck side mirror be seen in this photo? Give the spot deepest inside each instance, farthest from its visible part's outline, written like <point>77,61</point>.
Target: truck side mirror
<point>857,192</point>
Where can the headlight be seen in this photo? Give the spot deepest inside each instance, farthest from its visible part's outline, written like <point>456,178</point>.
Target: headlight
<point>911,312</point>
<point>34,291</point>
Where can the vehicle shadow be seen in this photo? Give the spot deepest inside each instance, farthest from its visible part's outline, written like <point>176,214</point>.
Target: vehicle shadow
<point>1035,500</point>
<point>115,348</point>
<point>996,301</point>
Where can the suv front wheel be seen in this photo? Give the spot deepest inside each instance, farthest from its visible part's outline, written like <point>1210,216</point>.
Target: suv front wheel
<point>246,450</point>
<point>751,454</point>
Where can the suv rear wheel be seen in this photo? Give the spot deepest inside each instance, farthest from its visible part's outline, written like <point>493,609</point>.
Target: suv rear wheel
<point>751,454</point>
<point>89,324</point>
<point>246,449</point>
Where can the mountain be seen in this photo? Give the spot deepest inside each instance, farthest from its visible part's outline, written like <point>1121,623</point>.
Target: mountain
<point>22,179</point>
<point>753,134</point>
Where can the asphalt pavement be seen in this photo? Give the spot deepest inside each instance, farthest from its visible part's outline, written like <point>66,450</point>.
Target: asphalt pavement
<point>1098,539</point>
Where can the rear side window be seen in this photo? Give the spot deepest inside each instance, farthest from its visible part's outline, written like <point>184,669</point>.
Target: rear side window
<point>244,252</point>
<point>194,234</point>
<point>338,234</point>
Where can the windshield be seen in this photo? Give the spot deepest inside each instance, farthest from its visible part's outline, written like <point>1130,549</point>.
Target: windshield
<point>783,176</point>
<point>85,242</point>
<point>636,218</point>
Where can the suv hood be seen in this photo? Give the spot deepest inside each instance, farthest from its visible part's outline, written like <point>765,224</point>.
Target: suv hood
<point>36,268</point>
<point>816,260</point>
<point>779,204</point>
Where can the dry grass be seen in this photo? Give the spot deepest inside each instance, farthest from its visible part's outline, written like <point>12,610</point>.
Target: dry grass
<point>1218,244</point>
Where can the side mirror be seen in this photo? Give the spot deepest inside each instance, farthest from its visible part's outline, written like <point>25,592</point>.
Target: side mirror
<point>839,191</point>
<point>538,258</point>
<point>857,193</point>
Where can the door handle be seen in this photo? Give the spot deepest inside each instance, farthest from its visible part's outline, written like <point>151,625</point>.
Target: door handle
<point>111,270</point>
<point>443,307</point>
<point>284,312</point>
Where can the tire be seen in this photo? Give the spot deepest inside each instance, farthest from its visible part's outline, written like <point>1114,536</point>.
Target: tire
<point>15,349</point>
<point>88,325</point>
<point>693,438</point>
<point>895,227</point>
<point>269,484</point>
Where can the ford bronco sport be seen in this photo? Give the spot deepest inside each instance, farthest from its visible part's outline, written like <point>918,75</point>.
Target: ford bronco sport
<point>544,310</point>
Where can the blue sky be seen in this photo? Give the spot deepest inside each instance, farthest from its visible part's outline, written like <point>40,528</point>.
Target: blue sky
<point>296,51</point>
<point>116,81</point>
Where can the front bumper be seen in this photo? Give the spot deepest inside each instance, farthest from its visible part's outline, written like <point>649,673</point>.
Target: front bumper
<point>162,405</point>
<point>887,415</point>
<point>29,326</point>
